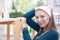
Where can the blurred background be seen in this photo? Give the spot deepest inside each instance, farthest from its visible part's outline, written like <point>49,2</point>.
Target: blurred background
<point>16,8</point>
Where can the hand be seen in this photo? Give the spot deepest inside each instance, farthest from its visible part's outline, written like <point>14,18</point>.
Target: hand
<point>23,22</point>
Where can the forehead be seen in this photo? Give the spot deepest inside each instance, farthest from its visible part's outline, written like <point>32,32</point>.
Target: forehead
<point>40,12</point>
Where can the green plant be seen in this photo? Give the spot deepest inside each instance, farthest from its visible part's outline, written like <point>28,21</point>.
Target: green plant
<point>15,14</point>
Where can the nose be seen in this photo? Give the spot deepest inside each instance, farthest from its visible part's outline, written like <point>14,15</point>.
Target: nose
<point>41,19</point>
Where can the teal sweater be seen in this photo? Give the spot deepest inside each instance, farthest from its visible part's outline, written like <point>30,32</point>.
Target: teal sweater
<point>51,35</point>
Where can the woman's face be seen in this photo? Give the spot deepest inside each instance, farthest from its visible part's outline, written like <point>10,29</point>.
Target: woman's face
<point>42,18</point>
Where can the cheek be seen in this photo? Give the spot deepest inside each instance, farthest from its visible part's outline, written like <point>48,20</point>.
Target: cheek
<point>46,21</point>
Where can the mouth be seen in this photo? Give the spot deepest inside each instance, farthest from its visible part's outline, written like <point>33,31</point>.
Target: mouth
<point>40,23</point>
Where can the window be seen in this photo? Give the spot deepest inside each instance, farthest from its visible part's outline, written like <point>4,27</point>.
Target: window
<point>57,2</point>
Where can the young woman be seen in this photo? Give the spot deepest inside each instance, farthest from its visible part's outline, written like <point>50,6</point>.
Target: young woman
<point>45,25</point>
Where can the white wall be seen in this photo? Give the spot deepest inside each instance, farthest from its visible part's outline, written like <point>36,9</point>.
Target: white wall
<point>7,8</point>
<point>6,4</point>
<point>56,8</point>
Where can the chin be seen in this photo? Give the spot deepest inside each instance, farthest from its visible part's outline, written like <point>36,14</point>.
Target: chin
<point>42,26</point>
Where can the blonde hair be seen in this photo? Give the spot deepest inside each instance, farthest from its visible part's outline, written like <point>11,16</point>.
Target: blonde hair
<point>51,24</point>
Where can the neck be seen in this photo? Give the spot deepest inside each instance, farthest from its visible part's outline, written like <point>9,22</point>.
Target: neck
<point>44,29</point>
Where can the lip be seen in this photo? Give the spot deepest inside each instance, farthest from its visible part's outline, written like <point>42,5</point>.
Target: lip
<point>40,23</point>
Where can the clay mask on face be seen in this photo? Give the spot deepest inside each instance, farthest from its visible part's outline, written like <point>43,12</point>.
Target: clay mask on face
<point>42,18</point>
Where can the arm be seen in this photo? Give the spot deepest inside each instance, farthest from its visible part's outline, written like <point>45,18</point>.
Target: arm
<point>30,22</point>
<point>26,35</point>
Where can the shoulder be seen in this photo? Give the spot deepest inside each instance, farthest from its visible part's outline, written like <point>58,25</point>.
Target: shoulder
<point>53,34</point>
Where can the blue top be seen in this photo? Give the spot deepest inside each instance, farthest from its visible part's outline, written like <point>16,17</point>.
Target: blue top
<point>51,35</point>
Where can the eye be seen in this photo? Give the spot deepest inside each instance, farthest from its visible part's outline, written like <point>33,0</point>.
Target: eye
<point>36,17</point>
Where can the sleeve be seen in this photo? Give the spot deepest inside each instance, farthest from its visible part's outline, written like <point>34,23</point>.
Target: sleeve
<point>26,35</point>
<point>53,35</point>
<point>29,21</point>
